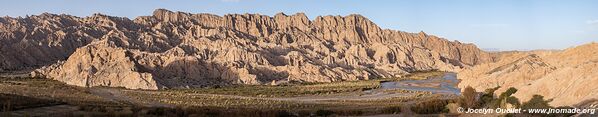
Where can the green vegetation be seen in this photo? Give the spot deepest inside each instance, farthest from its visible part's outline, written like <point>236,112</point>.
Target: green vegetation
<point>286,90</point>
<point>14,102</point>
<point>487,99</point>
<point>301,89</point>
<point>537,102</point>
<point>324,113</point>
<point>421,75</point>
<point>338,107</point>
<point>506,98</point>
<point>431,106</point>
<point>472,99</point>
<point>46,89</point>
<point>469,98</point>
<point>239,100</point>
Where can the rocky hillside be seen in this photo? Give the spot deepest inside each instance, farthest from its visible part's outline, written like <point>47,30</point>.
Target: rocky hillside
<point>176,49</point>
<point>568,76</point>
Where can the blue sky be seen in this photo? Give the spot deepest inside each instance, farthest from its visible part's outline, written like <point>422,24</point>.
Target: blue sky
<point>500,24</point>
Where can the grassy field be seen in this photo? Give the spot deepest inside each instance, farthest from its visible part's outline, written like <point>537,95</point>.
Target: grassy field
<point>240,100</point>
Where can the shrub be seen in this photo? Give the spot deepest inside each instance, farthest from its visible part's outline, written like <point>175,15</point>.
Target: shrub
<point>283,113</point>
<point>537,102</point>
<point>488,99</point>
<point>509,92</point>
<point>324,113</point>
<point>506,98</point>
<point>469,98</point>
<point>514,101</point>
<point>6,106</point>
<point>391,110</point>
<point>433,106</point>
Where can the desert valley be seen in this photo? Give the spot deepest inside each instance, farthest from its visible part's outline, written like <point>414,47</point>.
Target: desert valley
<point>198,64</point>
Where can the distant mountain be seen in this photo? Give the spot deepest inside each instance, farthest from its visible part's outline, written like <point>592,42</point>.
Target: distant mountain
<point>568,76</point>
<point>176,49</point>
<point>491,49</point>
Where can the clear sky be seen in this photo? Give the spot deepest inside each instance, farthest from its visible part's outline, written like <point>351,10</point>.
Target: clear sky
<point>499,24</point>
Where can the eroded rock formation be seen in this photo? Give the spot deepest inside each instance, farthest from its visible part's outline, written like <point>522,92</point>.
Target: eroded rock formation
<point>568,76</point>
<point>176,49</point>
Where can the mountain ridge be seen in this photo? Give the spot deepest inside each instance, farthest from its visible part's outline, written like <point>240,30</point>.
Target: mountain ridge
<point>177,49</point>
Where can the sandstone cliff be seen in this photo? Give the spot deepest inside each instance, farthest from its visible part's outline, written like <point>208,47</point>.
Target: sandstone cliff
<point>568,76</point>
<point>176,49</point>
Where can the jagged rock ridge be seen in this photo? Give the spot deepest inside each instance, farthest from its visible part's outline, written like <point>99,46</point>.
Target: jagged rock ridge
<point>176,49</point>
<point>568,76</point>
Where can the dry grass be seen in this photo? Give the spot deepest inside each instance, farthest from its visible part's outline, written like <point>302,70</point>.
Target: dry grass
<point>286,90</point>
<point>422,75</point>
<point>303,89</point>
<point>11,102</point>
<point>241,100</point>
<point>50,90</point>
<point>192,102</point>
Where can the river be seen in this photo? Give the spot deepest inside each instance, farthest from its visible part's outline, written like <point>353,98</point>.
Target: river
<point>447,84</point>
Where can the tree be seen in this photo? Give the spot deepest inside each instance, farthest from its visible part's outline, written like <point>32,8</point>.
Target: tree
<point>506,98</point>
<point>508,93</point>
<point>488,99</point>
<point>514,101</point>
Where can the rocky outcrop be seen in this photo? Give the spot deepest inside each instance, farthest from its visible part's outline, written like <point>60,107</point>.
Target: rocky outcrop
<point>566,76</point>
<point>41,40</point>
<point>176,49</point>
<point>101,65</point>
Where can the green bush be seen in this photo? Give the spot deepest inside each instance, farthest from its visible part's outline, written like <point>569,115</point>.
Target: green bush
<point>488,99</point>
<point>506,98</point>
<point>433,106</point>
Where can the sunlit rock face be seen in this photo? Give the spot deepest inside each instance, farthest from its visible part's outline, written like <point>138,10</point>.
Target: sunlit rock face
<point>568,76</point>
<point>176,49</point>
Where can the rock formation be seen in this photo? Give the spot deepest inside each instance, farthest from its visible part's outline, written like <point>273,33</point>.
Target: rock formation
<point>568,76</point>
<point>177,50</point>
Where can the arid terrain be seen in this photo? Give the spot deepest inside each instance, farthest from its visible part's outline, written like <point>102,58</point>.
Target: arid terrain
<point>566,76</point>
<point>178,50</point>
<point>186,64</point>
<point>43,97</point>
<point>203,64</point>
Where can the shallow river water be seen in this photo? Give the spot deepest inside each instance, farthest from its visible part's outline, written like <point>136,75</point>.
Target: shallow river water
<point>446,84</point>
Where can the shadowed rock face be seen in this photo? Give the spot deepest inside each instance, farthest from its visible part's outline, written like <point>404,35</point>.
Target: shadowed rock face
<point>176,49</point>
